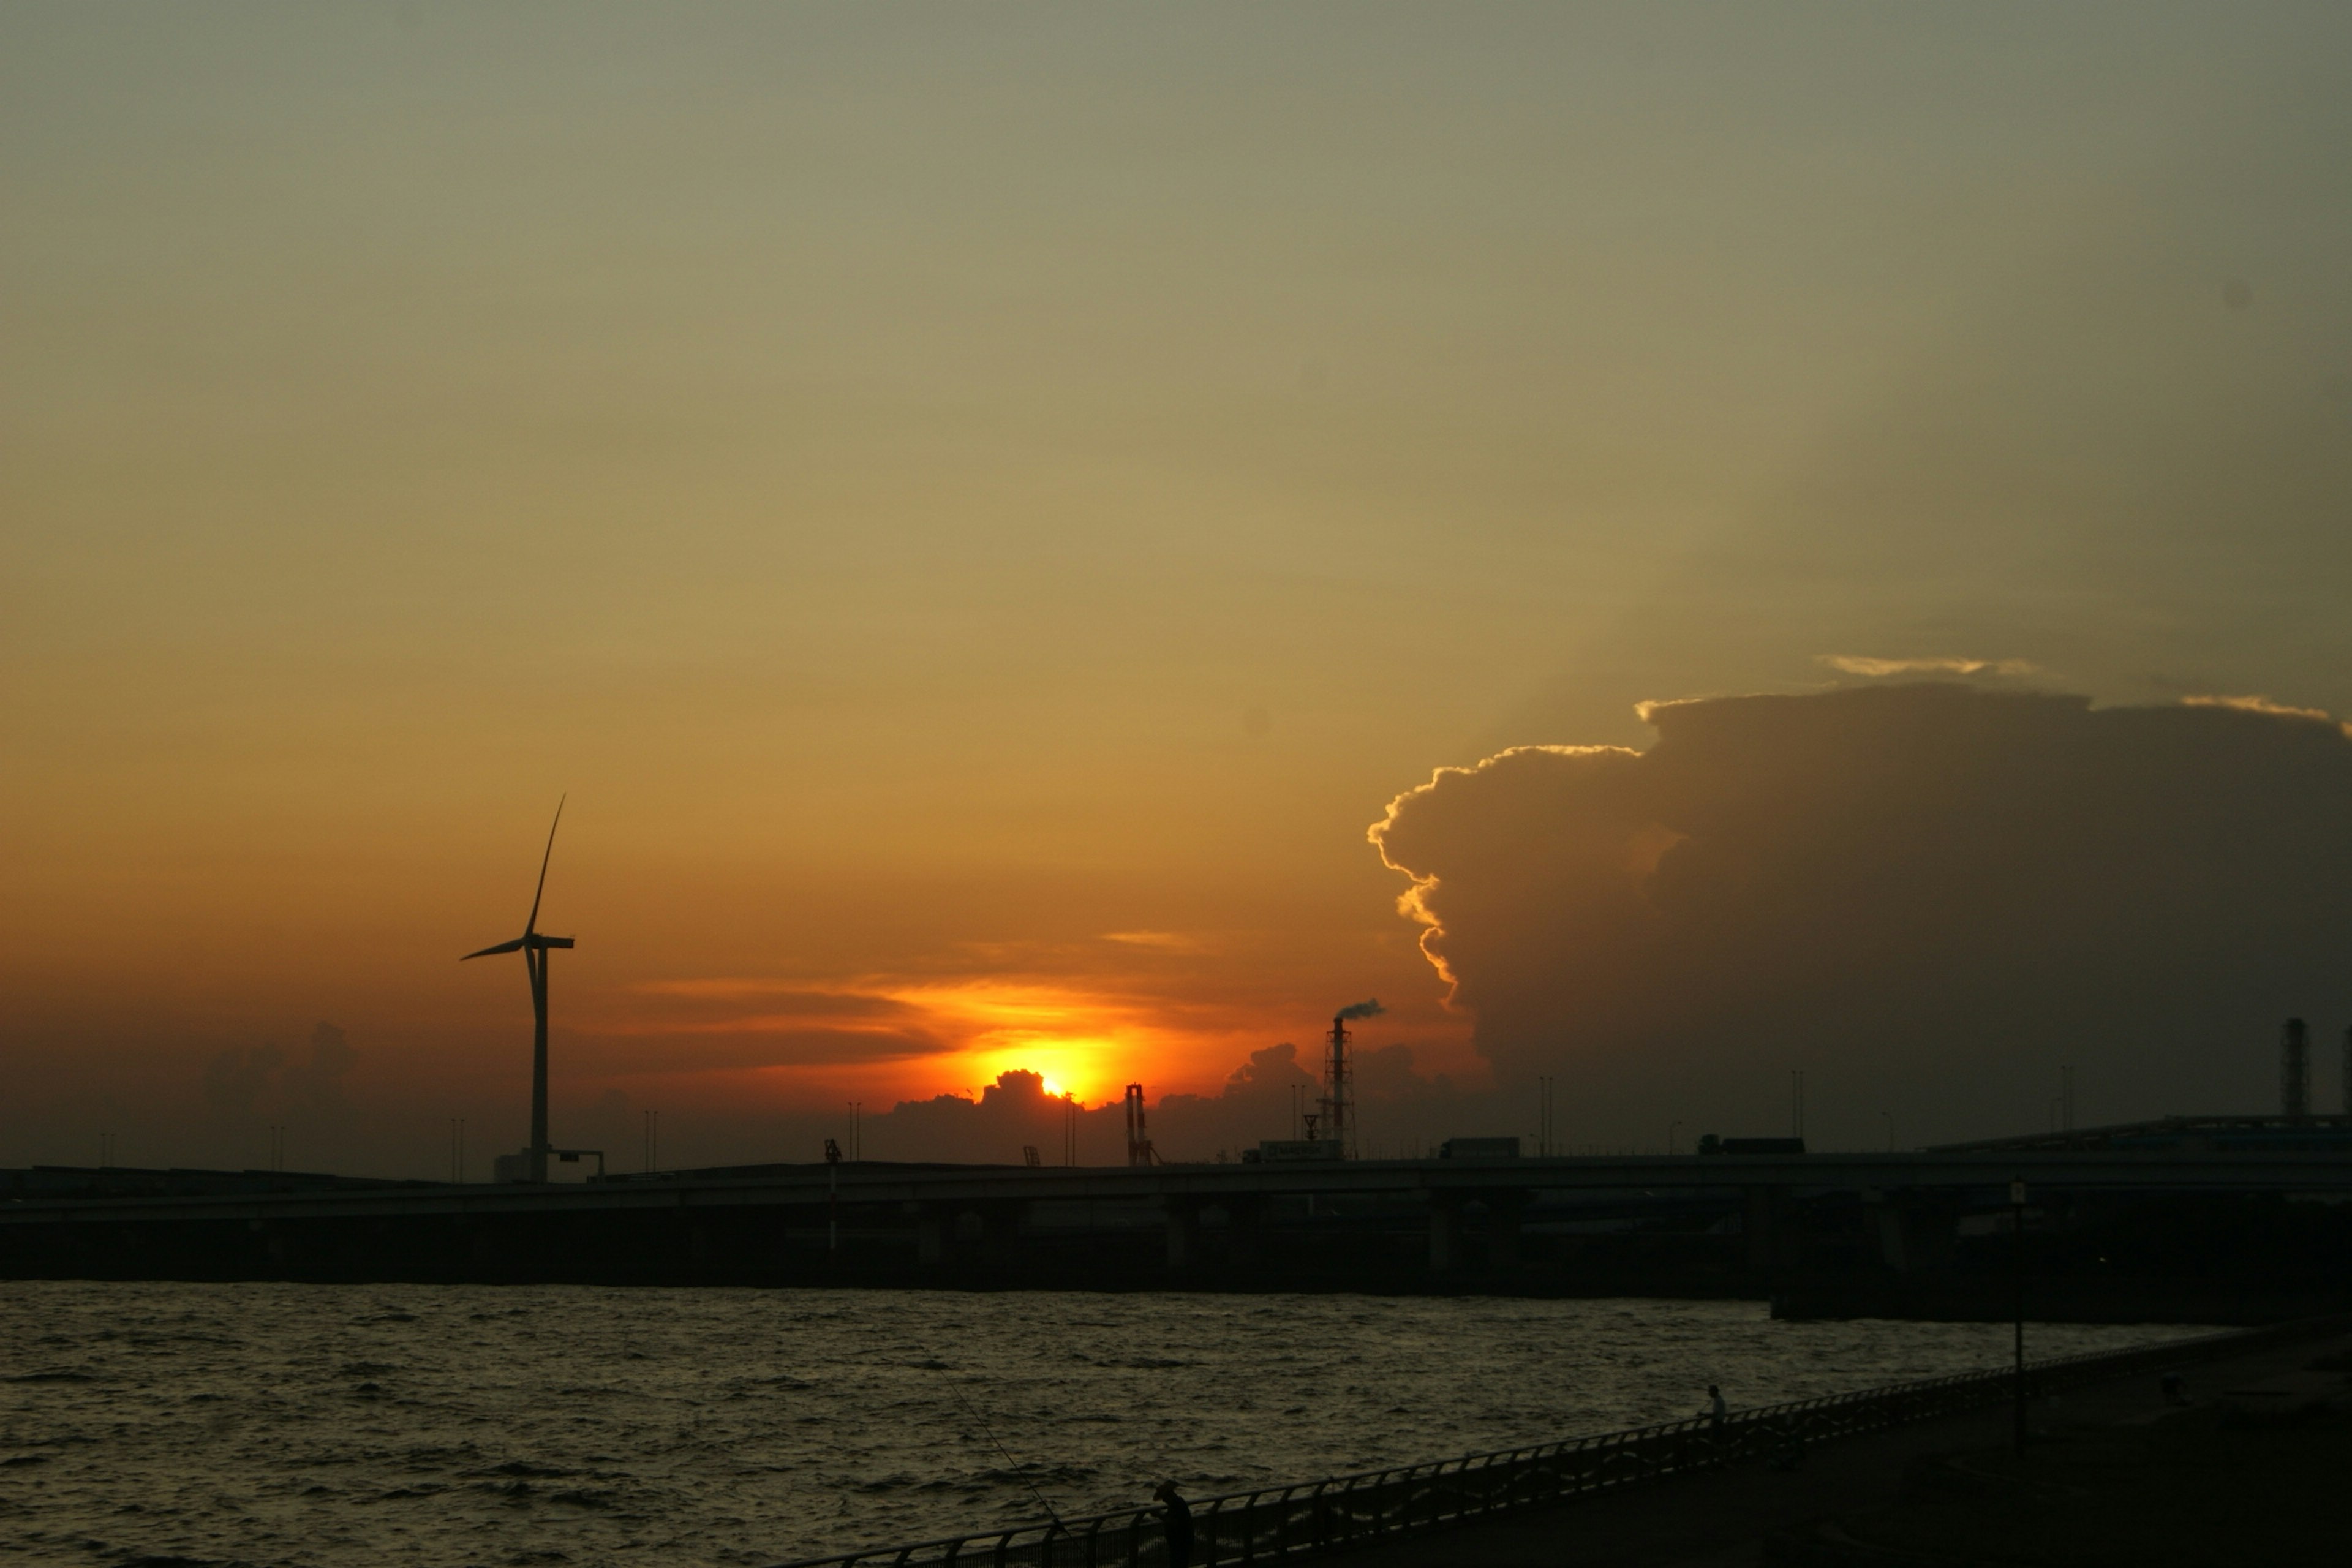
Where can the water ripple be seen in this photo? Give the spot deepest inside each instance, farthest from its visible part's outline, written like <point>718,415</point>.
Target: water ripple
<point>336,1426</point>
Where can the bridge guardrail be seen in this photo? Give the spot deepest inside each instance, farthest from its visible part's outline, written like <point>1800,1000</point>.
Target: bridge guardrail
<point>1279,1522</point>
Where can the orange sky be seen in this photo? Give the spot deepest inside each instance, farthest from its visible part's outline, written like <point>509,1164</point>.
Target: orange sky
<point>981,513</point>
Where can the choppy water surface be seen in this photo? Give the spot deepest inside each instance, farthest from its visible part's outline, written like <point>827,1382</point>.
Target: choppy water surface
<point>349,1425</point>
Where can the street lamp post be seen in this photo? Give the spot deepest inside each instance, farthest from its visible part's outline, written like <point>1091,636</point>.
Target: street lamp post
<point>2016,1301</point>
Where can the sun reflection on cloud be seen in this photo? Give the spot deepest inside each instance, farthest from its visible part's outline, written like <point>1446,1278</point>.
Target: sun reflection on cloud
<point>1086,1069</point>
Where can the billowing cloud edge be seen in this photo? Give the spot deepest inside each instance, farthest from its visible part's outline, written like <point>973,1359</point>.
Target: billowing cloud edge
<point>1413,902</point>
<point>1866,665</point>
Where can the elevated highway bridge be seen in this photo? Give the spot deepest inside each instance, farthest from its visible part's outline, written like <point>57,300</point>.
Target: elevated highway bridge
<point>790,1222</point>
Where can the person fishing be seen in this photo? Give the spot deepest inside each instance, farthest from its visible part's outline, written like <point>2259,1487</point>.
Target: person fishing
<point>1178,1523</point>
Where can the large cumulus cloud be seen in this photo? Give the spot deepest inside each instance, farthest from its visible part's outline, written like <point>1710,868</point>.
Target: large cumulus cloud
<point>1929,896</point>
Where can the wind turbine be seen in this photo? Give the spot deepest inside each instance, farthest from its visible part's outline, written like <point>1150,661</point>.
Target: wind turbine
<point>534,948</point>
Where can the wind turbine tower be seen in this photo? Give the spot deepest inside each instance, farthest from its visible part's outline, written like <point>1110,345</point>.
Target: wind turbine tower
<point>534,949</point>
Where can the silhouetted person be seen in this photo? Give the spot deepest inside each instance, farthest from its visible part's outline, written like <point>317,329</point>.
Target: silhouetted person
<point>1179,1518</point>
<point>1715,1408</point>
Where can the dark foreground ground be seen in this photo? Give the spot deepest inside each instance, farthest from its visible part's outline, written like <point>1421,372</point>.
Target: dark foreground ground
<point>2251,1472</point>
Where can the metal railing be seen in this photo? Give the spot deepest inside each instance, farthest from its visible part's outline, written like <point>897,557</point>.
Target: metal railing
<point>1344,1510</point>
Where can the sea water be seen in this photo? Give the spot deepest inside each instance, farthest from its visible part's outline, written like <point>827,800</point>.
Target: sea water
<point>276,1424</point>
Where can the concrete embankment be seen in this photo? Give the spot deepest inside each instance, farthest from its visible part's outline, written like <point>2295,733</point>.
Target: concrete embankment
<point>2115,1476</point>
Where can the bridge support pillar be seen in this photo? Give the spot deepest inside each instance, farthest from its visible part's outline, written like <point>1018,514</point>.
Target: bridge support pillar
<point>1765,1222</point>
<point>1183,1232</point>
<point>1000,1229</point>
<point>1445,1235</point>
<point>1503,1211</point>
<point>1242,1234</point>
<point>1913,1238</point>
<point>481,1248</point>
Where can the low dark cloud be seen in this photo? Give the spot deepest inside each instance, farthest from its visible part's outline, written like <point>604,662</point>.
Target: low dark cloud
<point>246,1081</point>
<point>1399,1109</point>
<point>317,1081</point>
<point>1927,897</point>
<point>237,1079</point>
<point>1277,1069</point>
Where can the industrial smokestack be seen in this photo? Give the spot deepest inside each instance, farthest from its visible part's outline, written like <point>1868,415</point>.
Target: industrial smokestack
<point>2295,1069</point>
<point>1340,1079</point>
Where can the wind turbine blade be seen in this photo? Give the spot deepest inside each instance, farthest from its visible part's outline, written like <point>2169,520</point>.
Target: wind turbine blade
<point>514,946</point>
<point>532,924</point>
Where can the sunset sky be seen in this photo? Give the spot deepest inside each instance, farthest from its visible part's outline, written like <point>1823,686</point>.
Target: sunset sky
<point>982,507</point>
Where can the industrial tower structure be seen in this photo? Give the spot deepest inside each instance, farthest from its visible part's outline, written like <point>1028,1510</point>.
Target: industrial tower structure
<point>1338,1101</point>
<point>1140,1151</point>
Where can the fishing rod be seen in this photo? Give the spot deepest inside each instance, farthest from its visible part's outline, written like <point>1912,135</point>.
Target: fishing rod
<point>1009,1459</point>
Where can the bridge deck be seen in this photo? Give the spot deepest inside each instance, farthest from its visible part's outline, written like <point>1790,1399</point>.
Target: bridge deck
<point>922,1186</point>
